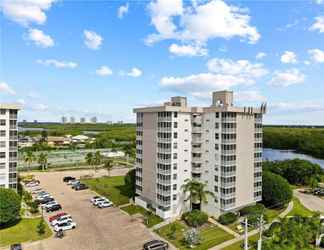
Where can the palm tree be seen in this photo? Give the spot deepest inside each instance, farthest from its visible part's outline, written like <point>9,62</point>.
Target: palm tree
<point>29,158</point>
<point>197,192</point>
<point>89,158</point>
<point>97,159</point>
<point>42,160</point>
<point>128,151</point>
<point>109,165</point>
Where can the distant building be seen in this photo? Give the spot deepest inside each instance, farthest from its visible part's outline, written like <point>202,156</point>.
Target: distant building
<point>72,119</point>
<point>80,139</point>
<point>82,120</point>
<point>64,119</point>
<point>8,145</point>
<point>113,154</point>
<point>120,122</point>
<point>109,122</point>
<point>24,121</point>
<point>35,121</point>
<point>58,141</point>
<point>93,119</point>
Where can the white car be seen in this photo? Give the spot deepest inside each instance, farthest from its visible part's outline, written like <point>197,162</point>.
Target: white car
<point>43,196</point>
<point>65,226</point>
<point>94,198</point>
<point>105,204</point>
<point>72,182</point>
<point>62,219</point>
<point>102,199</point>
<point>49,204</point>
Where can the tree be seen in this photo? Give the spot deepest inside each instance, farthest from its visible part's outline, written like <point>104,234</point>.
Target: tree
<point>41,227</point>
<point>197,192</point>
<point>42,160</point>
<point>29,158</point>
<point>276,191</point>
<point>89,158</point>
<point>129,151</point>
<point>130,182</point>
<point>44,135</point>
<point>108,165</point>
<point>97,159</point>
<point>192,237</point>
<point>10,203</point>
<point>173,230</point>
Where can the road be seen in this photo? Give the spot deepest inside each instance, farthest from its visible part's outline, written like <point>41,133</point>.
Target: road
<point>311,202</point>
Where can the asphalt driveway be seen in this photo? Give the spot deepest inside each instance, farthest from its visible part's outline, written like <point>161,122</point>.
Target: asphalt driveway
<point>97,229</point>
<point>311,202</point>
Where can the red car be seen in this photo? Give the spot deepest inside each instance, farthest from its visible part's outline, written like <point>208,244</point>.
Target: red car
<point>56,216</point>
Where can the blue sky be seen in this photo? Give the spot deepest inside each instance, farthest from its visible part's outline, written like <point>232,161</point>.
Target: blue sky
<point>103,58</point>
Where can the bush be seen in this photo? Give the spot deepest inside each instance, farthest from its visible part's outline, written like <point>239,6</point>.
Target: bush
<point>254,209</point>
<point>41,227</point>
<point>227,218</point>
<point>192,237</point>
<point>195,218</point>
<point>9,206</point>
<point>276,191</point>
<point>33,207</point>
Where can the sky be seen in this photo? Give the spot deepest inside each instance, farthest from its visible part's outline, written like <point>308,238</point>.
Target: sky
<point>103,58</point>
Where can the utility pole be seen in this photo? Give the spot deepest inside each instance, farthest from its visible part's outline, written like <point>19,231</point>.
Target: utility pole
<point>260,229</point>
<point>246,242</point>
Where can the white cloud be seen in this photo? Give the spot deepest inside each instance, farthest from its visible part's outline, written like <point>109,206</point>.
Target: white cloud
<point>104,71</point>
<point>288,57</point>
<point>39,38</point>
<point>122,11</point>
<point>199,23</point>
<point>58,64</point>
<point>223,74</point>
<point>307,106</point>
<point>26,12</point>
<point>249,96</point>
<point>317,55</point>
<point>260,55</point>
<point>318,25</point>
<point>319,1</point>
<point>5,88</point>
<point>287,78</point>
<point>135,72</point>
<point>187,50</point>
<point>92,39</point>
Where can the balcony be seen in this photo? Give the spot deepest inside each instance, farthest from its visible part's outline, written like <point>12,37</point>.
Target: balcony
<point>258,120</point>
<point>166,130</point>
<point>196,139</point>
<point>227,196</point>
<point>229,130</point>
<point>139,156</point>
<point>164,161</point>
<point>196,130</point>
<point>13,148</point>
<point>257,169</point>
<point>164,203</point>
<point>258,140</point>
<point>228,163</point>
<point>196,170</point>
<point>196,150</point>
<point>12,180</point>
<point>164,181</point>
<point>196,160</point>
<point>229,152</point>
<point>139,128</point>
<point>165,119</point>
<point>228,184</point>
<point>138,182</point>
<point>258,198</point>
<point>13,127</point>
<point>228,174</point>
<point>258,159</point>
<point>228,141</point>
<point>164,150</point>
<point>229,119</point>
<point>13,159</point>
<point>164,171</point>
<point>13,138</point>
<point>227,207</point>
<point>258,130</point>
<point>164,140</point>
<point>258,189</point>
<point>164,192</point>
<point>258,179</point>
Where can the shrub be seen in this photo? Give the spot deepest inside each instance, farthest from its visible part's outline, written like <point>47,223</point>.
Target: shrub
<point>192,237</point>
<point>41,227</point>
<point>276,191</point>
<point>254,209</point>
<point>195,218</point>
<point>33,207</point>
<point>227,218</point>
<point>9,206</point>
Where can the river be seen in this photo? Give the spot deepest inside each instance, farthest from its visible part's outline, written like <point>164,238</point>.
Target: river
<point>280,155</point>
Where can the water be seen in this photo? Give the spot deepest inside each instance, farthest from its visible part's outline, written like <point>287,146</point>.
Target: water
<point>280,155</point>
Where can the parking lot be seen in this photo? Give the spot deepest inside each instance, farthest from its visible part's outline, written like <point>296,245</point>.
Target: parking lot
<point>96,229</point>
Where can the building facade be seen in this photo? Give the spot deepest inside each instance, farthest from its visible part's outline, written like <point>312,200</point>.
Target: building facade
<point>220,146</point>
<point>8,145</point>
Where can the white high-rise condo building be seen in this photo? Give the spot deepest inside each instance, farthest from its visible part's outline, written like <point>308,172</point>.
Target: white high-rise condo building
<point>8,145</point>
<point>219,145</point>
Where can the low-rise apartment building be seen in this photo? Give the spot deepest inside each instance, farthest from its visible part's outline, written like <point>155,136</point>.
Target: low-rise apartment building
<point>8,145</point>
<point>219,145</point>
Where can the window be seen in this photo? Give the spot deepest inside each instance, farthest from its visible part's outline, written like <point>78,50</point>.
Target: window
<point>217,114</point>
<point>175,114</point>
<point>175,166</point>
<point>175,135</point>
<point>2,165</point>
<point>216,147</point>
<point>174,176</point>
<point>2,122</point>
<point>174,197</point>
<point>2,133</point>
<point>175,156</point>
<point>216,136</point>
<point>2,155</point>
<point>186,130</point>
<point>2,144</point>
<point>175,125</point>
<point>216,125</point>
<point>175,145</point>
<point>174,186</point>
<point>2,111</point>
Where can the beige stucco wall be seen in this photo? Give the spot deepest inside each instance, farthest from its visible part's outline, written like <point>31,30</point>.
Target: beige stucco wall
<point>244,160</point>
<point>149,156</point>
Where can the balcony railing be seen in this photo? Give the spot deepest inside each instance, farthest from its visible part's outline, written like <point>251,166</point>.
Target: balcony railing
<point>164,150</point>
<point>257,189</point>
<point>164,192</point>
<point>258,179</point>
<point>196,139</point>
<point>165,119</point>
<point>226,207</point>
<point>196,130</point>
<point>228,141</point>
<point>229,130</point>
<point>228,152</point>
<point>13,159</point>
<point>13,127</point>
<point>228,163</point>
<point>13,148</point>
<point>258,198</point>
<point>228,119</point>
<point>12,180</point>
<point>228,184</point>
<point>227,196</point>
<point>164,181</point>
<point>13,138</point>
<point>164,140</point>
<point>140,156</point>
<point>167,130</point>
<point>228,174</point>
<point>13,117</point>
<point>164,203</point>
<point>196,170</point>
<point>196,150</point>
<point>164,161</point>
<point>257,169</point>
<point>164,171</point>
<point>196,159</point>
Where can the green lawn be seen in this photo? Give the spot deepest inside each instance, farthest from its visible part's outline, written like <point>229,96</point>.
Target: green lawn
<point>210,235</point>
<point>25,230</point>
<point>237,246</point>
<point>299,209</point>
<point>111,187</point>
<point>272,214</point>
<point>152,219</point>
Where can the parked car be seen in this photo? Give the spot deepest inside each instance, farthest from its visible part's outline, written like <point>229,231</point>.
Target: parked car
<point>156,245</point>
<point>43,196</point>
<point>53,208</point>
<point>81,186</point>
<point>33,184</point>
<point>49,204</point>
<point>16,246</point>
<point>61,220</point>
<point>56,216</point>
<point>68,178</point>
<point>92,200</point>
<point>65,226</point>
<point>73,182</point>
<point>98,200</point>
<point>45,200</point>
<point>105,204</point>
